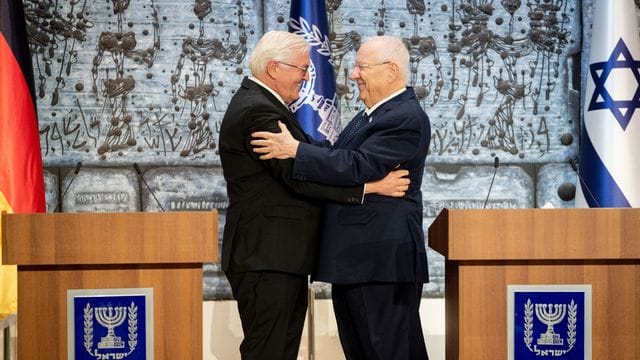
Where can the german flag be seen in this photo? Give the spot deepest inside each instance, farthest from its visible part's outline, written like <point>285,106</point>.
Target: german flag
<point>21,180</point>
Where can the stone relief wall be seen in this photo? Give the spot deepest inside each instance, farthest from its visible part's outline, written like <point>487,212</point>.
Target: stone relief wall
<point>122,82</point>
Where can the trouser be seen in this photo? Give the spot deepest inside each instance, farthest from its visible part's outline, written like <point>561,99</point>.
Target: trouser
<point>379,321</point>
<point>272,307</point>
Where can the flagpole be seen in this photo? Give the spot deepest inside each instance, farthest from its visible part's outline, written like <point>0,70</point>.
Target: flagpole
<point>311,323</point>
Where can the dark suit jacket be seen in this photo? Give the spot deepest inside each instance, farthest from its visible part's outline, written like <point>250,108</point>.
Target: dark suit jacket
<point>382,240</point>
<point>273,222</point>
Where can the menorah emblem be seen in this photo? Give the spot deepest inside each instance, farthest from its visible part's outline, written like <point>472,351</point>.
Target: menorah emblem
<point>111,318</point>
<point>550,314</point>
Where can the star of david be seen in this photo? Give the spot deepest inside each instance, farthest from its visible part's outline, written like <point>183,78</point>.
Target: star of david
<point>622,110</point>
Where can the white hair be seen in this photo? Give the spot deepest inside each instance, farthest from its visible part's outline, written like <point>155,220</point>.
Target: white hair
<point>275,46</point>
<point>392,49</point>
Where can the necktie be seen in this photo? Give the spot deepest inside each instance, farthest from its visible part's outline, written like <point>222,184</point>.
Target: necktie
<point>360,120</point>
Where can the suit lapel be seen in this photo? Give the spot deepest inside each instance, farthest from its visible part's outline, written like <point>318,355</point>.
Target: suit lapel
<point>349,133</point>
<point>392,103</point>
<point>352,138</point>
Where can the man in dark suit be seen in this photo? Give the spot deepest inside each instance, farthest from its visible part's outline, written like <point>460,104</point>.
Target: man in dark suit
<point>273,221</point>
<point>374,254</point>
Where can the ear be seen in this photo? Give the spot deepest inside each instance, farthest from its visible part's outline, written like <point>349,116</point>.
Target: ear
<point>394,73</point>
<point>272,69</point>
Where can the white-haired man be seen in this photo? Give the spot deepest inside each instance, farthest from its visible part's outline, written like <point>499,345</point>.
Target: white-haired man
<point>374,254</point>
<point>273,221</point>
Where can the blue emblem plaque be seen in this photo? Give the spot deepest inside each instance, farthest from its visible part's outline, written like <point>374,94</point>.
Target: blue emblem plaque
<point>549,322</point>
<point>106,324</point>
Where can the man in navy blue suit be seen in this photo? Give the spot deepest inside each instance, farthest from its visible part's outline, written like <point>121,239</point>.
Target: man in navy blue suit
<point>373,254</point>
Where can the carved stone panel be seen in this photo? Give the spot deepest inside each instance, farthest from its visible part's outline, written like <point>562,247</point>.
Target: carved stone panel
<point>467,189</point>
<point>101,190</point>
<point>50,190</point>
<point>556,186</point>
<point>192,189</point>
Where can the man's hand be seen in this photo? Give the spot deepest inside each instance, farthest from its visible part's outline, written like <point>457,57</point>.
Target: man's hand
<point>395,184</point>
<point>275,145</point>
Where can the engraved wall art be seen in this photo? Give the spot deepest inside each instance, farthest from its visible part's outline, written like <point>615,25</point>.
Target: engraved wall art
<point>122,81</point>
<point>148,81</point>
<point>496,78</point>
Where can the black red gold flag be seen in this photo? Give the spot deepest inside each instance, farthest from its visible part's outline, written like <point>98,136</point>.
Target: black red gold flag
<point>21,180</point>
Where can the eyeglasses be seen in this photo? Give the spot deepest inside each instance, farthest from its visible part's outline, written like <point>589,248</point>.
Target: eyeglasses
<point>368,66</point>
<point>304,69</point>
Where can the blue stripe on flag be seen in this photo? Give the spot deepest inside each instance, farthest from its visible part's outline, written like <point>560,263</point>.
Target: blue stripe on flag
<point>598,187</point>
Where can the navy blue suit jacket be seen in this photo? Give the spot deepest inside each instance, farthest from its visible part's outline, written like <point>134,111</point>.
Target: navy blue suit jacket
<point>383,239</point>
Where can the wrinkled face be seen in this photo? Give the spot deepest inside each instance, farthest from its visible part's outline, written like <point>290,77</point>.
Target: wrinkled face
<point>371,74</point>
<point>288,76</point>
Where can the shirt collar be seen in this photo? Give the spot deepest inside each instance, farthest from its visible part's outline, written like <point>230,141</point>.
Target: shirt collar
<point>255,80</point>
<point>370,110</point>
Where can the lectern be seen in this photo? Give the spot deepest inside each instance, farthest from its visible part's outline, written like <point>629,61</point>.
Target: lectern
<point>59,252</point>
<point>488,250</point>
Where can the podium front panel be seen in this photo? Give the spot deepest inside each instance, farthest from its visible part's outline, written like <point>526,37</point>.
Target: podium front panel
<point>476,308</point>
<point>177,307</point>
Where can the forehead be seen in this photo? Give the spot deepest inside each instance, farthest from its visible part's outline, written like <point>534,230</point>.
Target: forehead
<point>301,58</point>
<point>366,53</point>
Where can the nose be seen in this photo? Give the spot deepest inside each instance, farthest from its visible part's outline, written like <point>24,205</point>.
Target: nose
<point>305,76</point>
<point>355,73</point>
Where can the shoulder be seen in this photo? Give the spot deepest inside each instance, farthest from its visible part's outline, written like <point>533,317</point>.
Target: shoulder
<point>405,109</point>
<point>252,101</point>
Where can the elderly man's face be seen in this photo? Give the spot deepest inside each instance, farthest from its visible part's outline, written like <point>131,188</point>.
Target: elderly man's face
<point>290,76</point>
<point>370,74</point>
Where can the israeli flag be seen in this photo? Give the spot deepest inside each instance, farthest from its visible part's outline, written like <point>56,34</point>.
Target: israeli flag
<point>317,108</point>
<point>610,143</point>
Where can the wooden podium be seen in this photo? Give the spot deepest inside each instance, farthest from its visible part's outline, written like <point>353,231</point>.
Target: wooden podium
<point>63,251</point>
<point>486,250</point>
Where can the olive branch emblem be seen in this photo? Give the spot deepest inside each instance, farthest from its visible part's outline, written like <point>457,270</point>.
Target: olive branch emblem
<point>88,328</point>
<point>528,323</point>
<point>312,35</point>
<point>133,327</point>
